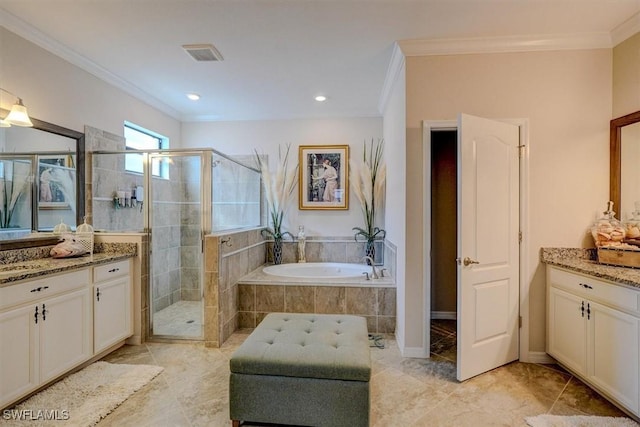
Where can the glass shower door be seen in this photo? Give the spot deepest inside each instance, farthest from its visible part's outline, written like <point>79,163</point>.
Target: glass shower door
<point>174,181</point>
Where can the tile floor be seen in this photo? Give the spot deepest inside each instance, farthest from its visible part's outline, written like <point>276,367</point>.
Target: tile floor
<point>181,319</point>
<point>193,389</point>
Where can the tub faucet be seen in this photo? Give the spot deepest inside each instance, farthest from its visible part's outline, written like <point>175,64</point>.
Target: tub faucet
<point>374,272</point>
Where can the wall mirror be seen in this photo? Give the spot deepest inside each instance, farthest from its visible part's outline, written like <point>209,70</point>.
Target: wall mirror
<point>42,172</point>
<point>624,183</point>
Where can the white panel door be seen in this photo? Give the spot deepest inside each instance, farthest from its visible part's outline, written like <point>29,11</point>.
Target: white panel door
<point>488,248</point>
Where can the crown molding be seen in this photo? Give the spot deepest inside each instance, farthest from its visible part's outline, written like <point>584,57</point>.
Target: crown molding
<point>393,71</point>
<point>625,30</point>
<point>527,43</point>
<point>30,33</point>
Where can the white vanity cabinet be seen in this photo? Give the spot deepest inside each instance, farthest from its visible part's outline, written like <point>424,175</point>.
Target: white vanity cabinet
<point>593,329</point>
<point>111,304</point>
<point>45,330</point>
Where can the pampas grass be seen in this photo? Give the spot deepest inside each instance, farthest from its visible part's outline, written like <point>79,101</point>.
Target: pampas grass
<point>368,178</point>
<point>278,188</point>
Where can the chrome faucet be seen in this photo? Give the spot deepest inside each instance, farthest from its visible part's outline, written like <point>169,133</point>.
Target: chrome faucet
<point>374,272</point>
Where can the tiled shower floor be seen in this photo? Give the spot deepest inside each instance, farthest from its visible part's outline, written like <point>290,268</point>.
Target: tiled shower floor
<point>182,319</point>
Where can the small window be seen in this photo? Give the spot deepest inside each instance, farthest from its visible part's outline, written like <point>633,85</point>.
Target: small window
<point>138,138</point>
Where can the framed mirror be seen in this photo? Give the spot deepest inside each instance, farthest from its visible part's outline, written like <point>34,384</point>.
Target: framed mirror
<point>624,149</point>
<point>52,149</point>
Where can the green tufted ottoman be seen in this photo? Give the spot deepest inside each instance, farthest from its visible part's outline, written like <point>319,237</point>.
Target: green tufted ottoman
<point>303,369</point>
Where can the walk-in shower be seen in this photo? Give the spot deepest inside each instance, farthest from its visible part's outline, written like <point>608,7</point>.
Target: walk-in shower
<point>176,197</point>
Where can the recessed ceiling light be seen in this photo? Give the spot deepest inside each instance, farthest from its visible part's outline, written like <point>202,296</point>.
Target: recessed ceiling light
<point>193,96</point>
<point>321,98</point>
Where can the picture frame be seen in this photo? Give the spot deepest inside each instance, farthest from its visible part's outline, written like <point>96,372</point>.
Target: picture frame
<point>54,180</point>
<point>323,181</point>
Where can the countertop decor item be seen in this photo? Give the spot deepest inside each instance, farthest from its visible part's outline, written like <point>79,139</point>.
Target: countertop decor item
<point>369,177</point>
<point>607,231</point>
<point>278,188</point>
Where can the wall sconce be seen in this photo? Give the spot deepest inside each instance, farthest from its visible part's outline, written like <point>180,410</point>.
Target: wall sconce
<point>18,115</point>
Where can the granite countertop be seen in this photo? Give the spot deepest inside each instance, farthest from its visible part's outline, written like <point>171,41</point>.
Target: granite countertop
<point>585,261</point>
<point>19,266</point>
<point>258,277</point>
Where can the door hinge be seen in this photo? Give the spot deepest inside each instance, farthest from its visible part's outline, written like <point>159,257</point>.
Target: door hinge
<point>521,150</point>
<point>519,236</point>
<point>519,321</point>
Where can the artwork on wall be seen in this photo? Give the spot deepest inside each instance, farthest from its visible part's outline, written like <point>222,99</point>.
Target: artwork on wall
<point>324,177</point>
<point>56,181</point>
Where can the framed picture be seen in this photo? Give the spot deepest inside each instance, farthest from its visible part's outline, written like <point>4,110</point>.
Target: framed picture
<point>324,177</point>
<point>56,181</point>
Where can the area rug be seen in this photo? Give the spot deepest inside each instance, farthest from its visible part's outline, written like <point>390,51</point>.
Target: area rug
<point>579,421</point>
<point>83,398</point>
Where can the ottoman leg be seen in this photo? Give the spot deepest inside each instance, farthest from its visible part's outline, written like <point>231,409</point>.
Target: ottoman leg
<point>235,423</point>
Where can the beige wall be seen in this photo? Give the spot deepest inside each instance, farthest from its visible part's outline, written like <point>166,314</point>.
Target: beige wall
<point>243,137</point>
<point>394,127</point>
<point>566,98</point>
<point>57,91</point>
<point>626,77</point>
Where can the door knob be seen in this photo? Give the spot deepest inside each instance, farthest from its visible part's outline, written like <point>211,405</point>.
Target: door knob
<point>468,261</point>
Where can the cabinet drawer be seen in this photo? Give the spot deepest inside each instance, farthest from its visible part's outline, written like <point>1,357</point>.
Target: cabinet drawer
<point>50,285</point>
<point>597,290</point>
<point>110,271</point>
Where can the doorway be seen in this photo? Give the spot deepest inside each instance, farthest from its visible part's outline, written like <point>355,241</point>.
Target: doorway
<point>472,233</point>
<point>444,184</point>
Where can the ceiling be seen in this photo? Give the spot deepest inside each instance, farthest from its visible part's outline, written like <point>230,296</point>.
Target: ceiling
<point>278,54</point>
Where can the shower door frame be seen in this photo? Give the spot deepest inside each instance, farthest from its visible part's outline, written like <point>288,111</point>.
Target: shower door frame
<point>205,220</point>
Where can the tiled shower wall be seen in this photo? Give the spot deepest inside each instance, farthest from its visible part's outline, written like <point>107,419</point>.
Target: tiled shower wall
<point>175,241</point>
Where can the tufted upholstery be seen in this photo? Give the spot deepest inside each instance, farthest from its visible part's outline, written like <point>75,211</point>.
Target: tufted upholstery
<point>303,369</point>
<point>306,346</point>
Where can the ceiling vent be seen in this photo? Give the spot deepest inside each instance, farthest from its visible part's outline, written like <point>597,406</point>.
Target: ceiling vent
<point>203,52</point>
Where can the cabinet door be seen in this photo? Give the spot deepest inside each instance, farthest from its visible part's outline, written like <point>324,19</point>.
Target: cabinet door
<point>613,340</point>
<point>65,333</point>
<point>18,367</point>
<point>567,333</point>
<point>112,312</point>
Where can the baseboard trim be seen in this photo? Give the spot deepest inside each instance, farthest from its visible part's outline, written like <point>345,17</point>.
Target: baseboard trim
<point>415,352</point>
<point>444,315</point>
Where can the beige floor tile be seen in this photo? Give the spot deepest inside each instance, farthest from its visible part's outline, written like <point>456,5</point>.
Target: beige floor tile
<point>194,387</point>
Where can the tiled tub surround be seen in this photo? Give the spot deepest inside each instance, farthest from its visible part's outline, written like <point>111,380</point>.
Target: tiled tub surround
<point>261,293</point>
<point>231,256</point>
<point>227,257</point>
<point>585,261</point>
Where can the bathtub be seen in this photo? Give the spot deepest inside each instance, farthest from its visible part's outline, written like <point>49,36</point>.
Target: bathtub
<point>318,270</point>
<point>317,287</point>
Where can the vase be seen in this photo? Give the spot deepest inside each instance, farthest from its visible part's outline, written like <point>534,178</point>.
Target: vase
<point>277,251</point>
<point>370,250</point>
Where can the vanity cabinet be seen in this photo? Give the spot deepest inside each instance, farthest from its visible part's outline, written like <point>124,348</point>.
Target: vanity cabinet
<point>111,304</point>
<point>53,324</point>
<point>593,329</point>
<point>46,335</point>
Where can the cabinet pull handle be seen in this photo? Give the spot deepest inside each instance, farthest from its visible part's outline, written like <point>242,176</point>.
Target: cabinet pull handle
<point>44,313</point>
<point>113,270</point>
<point>588,311</point>
<point>97,294</point>
<point>582,308</point>
<point>39,288</point>
<point>35,315</point>
<point>584,285</point>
